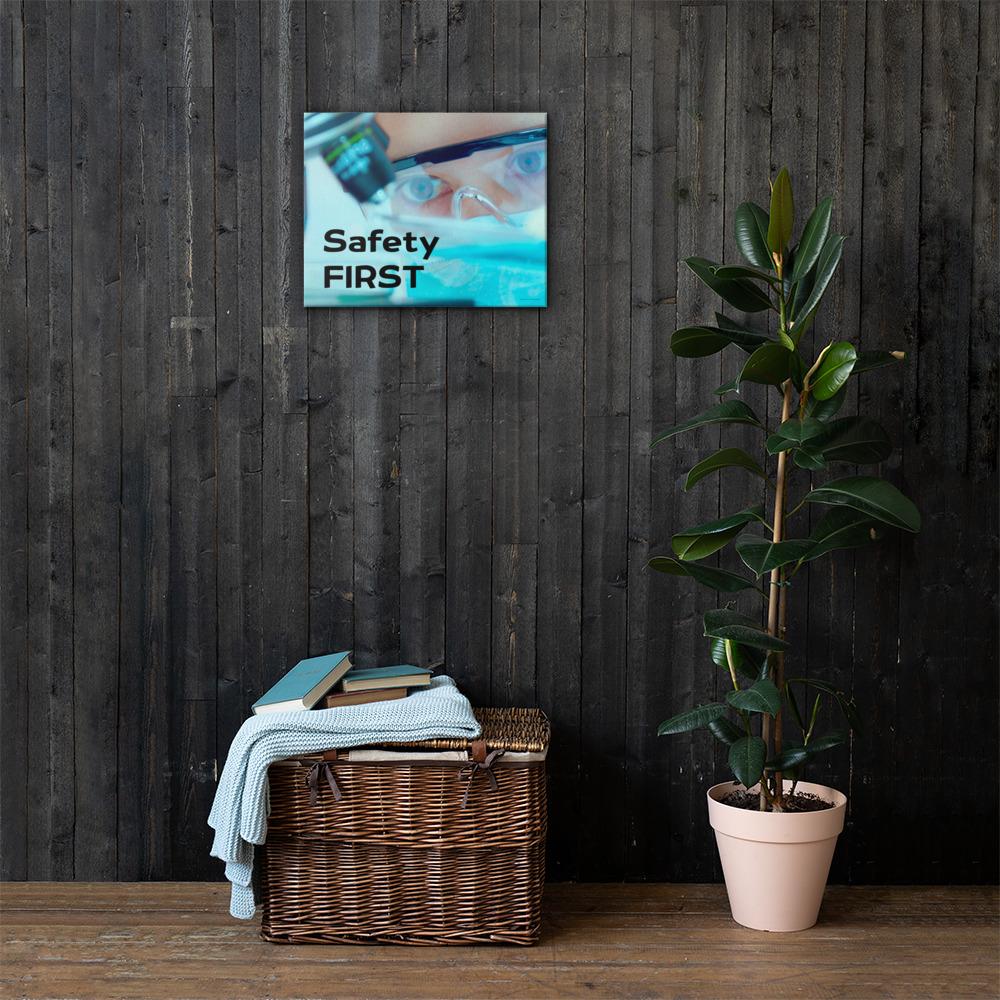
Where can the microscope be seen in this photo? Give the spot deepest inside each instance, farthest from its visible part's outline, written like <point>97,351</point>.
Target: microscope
<point>354,147</point>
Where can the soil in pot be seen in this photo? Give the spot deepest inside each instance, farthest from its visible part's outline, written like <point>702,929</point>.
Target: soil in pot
<point>800,802</point>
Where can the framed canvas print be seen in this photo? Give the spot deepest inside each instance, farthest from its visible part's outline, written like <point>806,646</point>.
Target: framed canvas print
<point>424,209</point>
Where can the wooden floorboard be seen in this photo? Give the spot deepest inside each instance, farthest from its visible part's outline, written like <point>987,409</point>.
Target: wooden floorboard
<point>176,940</point>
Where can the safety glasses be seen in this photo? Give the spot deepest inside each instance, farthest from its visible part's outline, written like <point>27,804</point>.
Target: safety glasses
<point>500,176</point>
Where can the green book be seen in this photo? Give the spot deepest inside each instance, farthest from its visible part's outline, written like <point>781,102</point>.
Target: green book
<point>373,678</point>
<point>305,683</point>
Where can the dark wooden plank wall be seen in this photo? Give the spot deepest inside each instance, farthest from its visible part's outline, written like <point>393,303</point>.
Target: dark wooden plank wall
<point>203,482</point>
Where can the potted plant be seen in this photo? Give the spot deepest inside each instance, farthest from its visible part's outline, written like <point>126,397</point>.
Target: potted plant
<point>776,834</point>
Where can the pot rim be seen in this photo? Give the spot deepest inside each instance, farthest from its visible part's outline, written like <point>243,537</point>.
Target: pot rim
<point>839,799</point>
<point>771,827</point>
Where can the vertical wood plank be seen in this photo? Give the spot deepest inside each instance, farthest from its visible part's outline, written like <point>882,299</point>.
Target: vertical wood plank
<point>515,408</point>
<point>700,231</point>
<point>839,174</point>
<point>330,73</point>
<point>96,433</point>
<point>239,357</point>
<point>655,53</point>
<point>14,443</point>
<point>422,372</point>
<point>749,31</point>
<point>146,679</point>
<point>606,437</point>
<point>50,468</point>
<point>191,200</point>
<point>192,631</point>
<point>192,420</point>
<point>560,428</point>
<point>284,549</point>
<point>889,320</point>
<point>468,598</point>
<point>376,357</point>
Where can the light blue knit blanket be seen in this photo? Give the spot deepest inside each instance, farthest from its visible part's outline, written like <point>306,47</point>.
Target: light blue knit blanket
<point>239,812</point>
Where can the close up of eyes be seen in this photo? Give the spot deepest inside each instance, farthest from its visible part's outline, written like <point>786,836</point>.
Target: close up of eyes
<point>527,163</point>
<point>422,189</point>
<point>520,172</point>
<point>422,194</point>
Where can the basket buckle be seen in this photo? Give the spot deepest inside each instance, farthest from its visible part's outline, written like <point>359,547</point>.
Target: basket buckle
<point>321,767</point>
<point>485,764</point>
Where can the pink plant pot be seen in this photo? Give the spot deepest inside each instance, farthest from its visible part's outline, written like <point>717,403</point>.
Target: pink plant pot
<point>776,864</point>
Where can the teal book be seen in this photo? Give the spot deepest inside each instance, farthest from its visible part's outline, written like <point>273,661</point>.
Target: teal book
<point>373,678</point>
<point>305,683</point>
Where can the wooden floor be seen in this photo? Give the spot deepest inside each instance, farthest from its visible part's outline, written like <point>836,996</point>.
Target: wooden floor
<point>176,940</point>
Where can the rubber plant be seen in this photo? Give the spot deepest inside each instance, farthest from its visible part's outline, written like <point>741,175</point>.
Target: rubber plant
<point>810,439</point>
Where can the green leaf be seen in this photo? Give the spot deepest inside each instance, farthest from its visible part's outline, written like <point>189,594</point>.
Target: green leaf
<point>725,322</point>
<point>763,697</point>
<point>824,743</point>
<point>870,360</point>
<point>725,458</point>
<point>824,409</point>
<point>800,326</point>
<point>749,662</point>
<point>761,556</point>
<point>731,412</point>
<point>871,496</point>
<point>829,258</point>
<point>694,718</point>
<point>846,702</point>
<point>787,267</point>
<point>740,293</point>
<point>722,729</point>
<point>779,229</point>
<point>840,528</point>
<point>859,440</point>
<point>725,624</point>
<point>717,579</point>
<point>796,370</point>
<point>703,341</point>
<point>800,296</point>
<point>793,433</point>
<point>733,385</point>
<point>806,458</point>
<point>750,229</point>
<point>704,539</point>
<point>813,237</point>
<point>790,756</point>
<point>746,758</point>
<point>729,272</point>
<point>834,370</point>
<point>769,364</point>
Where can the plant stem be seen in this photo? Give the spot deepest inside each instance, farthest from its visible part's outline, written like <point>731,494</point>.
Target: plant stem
<point>779,680</point>
<point>729,660</point>
<point>776,595</point>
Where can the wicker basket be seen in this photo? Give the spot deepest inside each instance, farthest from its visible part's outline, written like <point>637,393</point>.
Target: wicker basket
<point>438,848</point>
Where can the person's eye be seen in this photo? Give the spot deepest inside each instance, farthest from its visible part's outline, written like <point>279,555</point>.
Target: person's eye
<point>528,162</point>
<point>420,190</point>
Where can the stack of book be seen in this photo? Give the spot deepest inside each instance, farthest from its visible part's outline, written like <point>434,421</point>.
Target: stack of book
<point>331,681</point>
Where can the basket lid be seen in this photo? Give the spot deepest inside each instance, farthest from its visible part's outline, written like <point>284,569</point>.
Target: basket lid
<point>517,730</point>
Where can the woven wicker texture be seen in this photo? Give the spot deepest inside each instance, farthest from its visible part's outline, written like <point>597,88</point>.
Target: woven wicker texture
<point>404,856</point>
<point>525,730</point>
